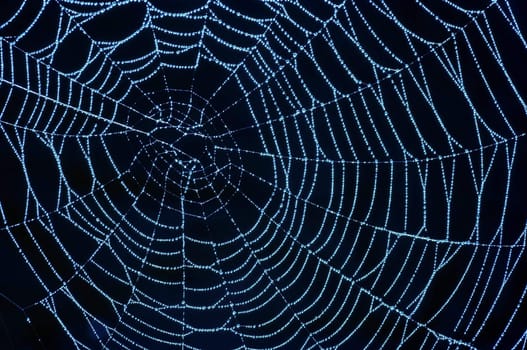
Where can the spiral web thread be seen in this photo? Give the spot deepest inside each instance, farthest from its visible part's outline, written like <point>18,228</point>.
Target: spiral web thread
<point>276,174</point>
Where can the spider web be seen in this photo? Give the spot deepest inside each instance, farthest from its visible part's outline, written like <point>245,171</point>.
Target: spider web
<point>263,174</point>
